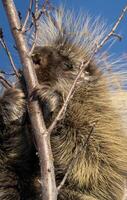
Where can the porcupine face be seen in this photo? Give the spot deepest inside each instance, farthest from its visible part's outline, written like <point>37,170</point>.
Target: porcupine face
<point>51,65</point>
<point>55,73</point>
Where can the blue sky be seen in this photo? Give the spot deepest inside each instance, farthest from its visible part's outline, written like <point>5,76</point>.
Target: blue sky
<point>109,10</point>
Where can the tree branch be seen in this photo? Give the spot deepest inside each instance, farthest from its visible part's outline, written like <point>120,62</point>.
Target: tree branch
<point>39,13</point>
<point>49,191</point>
<point>27,16</point>
<point>112,32</point>
<point>7,73</point>
<point>3,43</point>
<point>35,27</point>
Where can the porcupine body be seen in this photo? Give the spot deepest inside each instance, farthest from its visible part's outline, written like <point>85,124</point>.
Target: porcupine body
<point>90,136</point>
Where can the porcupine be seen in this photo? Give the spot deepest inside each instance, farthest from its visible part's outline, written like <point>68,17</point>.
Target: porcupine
<point>90,133</point>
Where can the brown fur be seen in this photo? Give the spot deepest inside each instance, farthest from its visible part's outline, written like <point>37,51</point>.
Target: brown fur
<point>90,134</point>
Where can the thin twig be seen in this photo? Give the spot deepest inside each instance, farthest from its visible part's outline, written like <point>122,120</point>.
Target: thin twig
<point>35,37</point>
<point>39,13</point>
<point>35,16</point>
<point>7,73</point>
<point>27,16</point>
<point>112,32</point>
<point>119,37</point>
<point>5,83</point>
<point>3,43</point>
<point>35,27</point>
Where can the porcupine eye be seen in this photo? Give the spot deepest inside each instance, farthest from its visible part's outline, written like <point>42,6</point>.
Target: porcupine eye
<point>67,66</point>
<point>36,58</point>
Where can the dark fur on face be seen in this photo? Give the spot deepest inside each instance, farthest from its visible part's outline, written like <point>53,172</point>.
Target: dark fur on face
<point>56,74</point>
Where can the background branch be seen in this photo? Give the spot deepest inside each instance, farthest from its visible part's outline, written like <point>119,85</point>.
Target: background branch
<point>3,43</point>
<point>4,82</point>
<point>7,73</point>
<point>112,32</point>
<point>27,16</point>
<point>38,13</point>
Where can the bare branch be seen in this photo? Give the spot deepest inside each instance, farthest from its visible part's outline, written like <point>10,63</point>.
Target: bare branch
<point>112,32</point>
<point>4,82</point>
<point>6,73</point>
<point>39,13</point>
<point>35,17</point>
<point>49,191</point>
<point>35,27</point>
<point>27,16</point>
<point>3,43</point>
<point>35,37</point>
<point>119,37</point>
